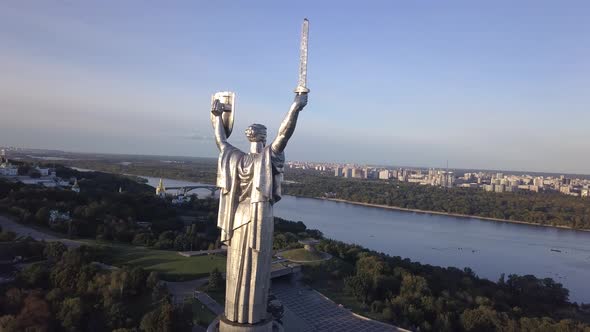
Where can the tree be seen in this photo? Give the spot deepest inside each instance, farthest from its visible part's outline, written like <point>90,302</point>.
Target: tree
<point>359,286</point>
<point>35,275</point>
<point>159,292</point>
<point>116,314</point>
<point>13,299</point>
<point>167,235</point>
<point>55,296</point>
<point>120,282</point>
<point>215,280</point>
<point>481,319</point>
<point>42,215</point>
<point>70,314</point>
<point>8,323</point>
<point>182,242</point>
<point>142,239</point>
<point>152,280</point>
<point>7,236</point>
<point>54,250</point>
<point>414,286</point>
<point>370,265</point>
<point>137,280</point>
<point>275,308</point>
<point>279,241</point>
<point>34,316</point>
<point>164,244</point>
<point>159,320</point>
<point>183,317</point>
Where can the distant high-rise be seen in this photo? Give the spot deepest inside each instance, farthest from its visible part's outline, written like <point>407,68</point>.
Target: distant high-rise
<point>384,174</point>
<point>348,172</point>
<point>448,179</point>
<point>357,172</point>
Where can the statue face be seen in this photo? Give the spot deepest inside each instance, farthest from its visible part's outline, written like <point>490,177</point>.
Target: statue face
<point>256,133</point>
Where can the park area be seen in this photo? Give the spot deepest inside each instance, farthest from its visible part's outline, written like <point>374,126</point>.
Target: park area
<point>170,265</point>
<point>303,255</point>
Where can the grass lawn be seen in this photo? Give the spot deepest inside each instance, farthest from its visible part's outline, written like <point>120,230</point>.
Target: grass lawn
<point>171,265</point>
<point>302,255</point>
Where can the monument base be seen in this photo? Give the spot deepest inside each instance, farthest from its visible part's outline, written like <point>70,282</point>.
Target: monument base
<point>220,324</point>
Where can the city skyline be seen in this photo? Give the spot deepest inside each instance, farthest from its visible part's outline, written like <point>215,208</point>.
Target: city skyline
<point>485,86</point>
<point>34,151</point>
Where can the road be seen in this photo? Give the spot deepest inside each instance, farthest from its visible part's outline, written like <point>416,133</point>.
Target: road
<point>209,302</point>
<point>23,230</point>
<point>184,289</point>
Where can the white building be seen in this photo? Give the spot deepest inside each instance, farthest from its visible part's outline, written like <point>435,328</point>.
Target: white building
<point>6,168</point>
<point>76,187</point>
<point>43,171</point>
<point>56,217</point>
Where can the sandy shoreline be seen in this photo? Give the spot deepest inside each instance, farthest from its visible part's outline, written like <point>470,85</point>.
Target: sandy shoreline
<point>447,214</point>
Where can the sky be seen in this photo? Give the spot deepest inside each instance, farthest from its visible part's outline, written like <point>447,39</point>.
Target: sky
<point>482,84</point>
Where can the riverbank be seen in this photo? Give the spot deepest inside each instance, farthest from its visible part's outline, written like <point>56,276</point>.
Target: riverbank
<point>459,215</point>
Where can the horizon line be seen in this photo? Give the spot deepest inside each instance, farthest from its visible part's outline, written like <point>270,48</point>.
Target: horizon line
<point>318,162</point>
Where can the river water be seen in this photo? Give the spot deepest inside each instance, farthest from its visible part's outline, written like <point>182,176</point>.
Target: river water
<point>488,247</point>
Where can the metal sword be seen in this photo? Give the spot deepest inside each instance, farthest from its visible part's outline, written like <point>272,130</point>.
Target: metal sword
<point>302,84</point>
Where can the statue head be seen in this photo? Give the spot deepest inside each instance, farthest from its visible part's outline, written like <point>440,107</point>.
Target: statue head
<point>256,133</point>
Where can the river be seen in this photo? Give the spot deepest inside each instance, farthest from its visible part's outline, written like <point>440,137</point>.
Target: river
<point>488,247</point>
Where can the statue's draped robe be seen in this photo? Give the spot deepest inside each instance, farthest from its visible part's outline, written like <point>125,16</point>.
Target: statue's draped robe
<point>250,184</point>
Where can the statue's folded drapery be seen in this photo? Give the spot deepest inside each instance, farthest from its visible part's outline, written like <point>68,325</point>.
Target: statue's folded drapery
<point>250,185</point>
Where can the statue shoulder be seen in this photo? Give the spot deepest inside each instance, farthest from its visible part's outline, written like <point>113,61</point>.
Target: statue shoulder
<point>229,151</point>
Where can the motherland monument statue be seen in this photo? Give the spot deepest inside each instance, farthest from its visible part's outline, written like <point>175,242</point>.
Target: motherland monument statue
<point>250,184</point>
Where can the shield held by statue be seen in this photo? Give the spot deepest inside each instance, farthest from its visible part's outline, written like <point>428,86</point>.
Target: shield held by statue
<point>226,101</point>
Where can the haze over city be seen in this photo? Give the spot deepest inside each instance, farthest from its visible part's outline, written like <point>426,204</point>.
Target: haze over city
<point>495,86</point>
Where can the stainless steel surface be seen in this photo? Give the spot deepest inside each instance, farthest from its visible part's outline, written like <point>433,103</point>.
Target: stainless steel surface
<point>250,185</point>
<point>224,102</point>
<point>302,84</point>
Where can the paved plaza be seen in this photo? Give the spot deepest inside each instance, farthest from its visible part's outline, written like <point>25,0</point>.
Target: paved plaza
<point>317,313</point>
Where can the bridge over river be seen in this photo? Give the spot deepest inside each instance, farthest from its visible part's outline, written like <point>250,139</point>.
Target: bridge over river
<point>186,189</point>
